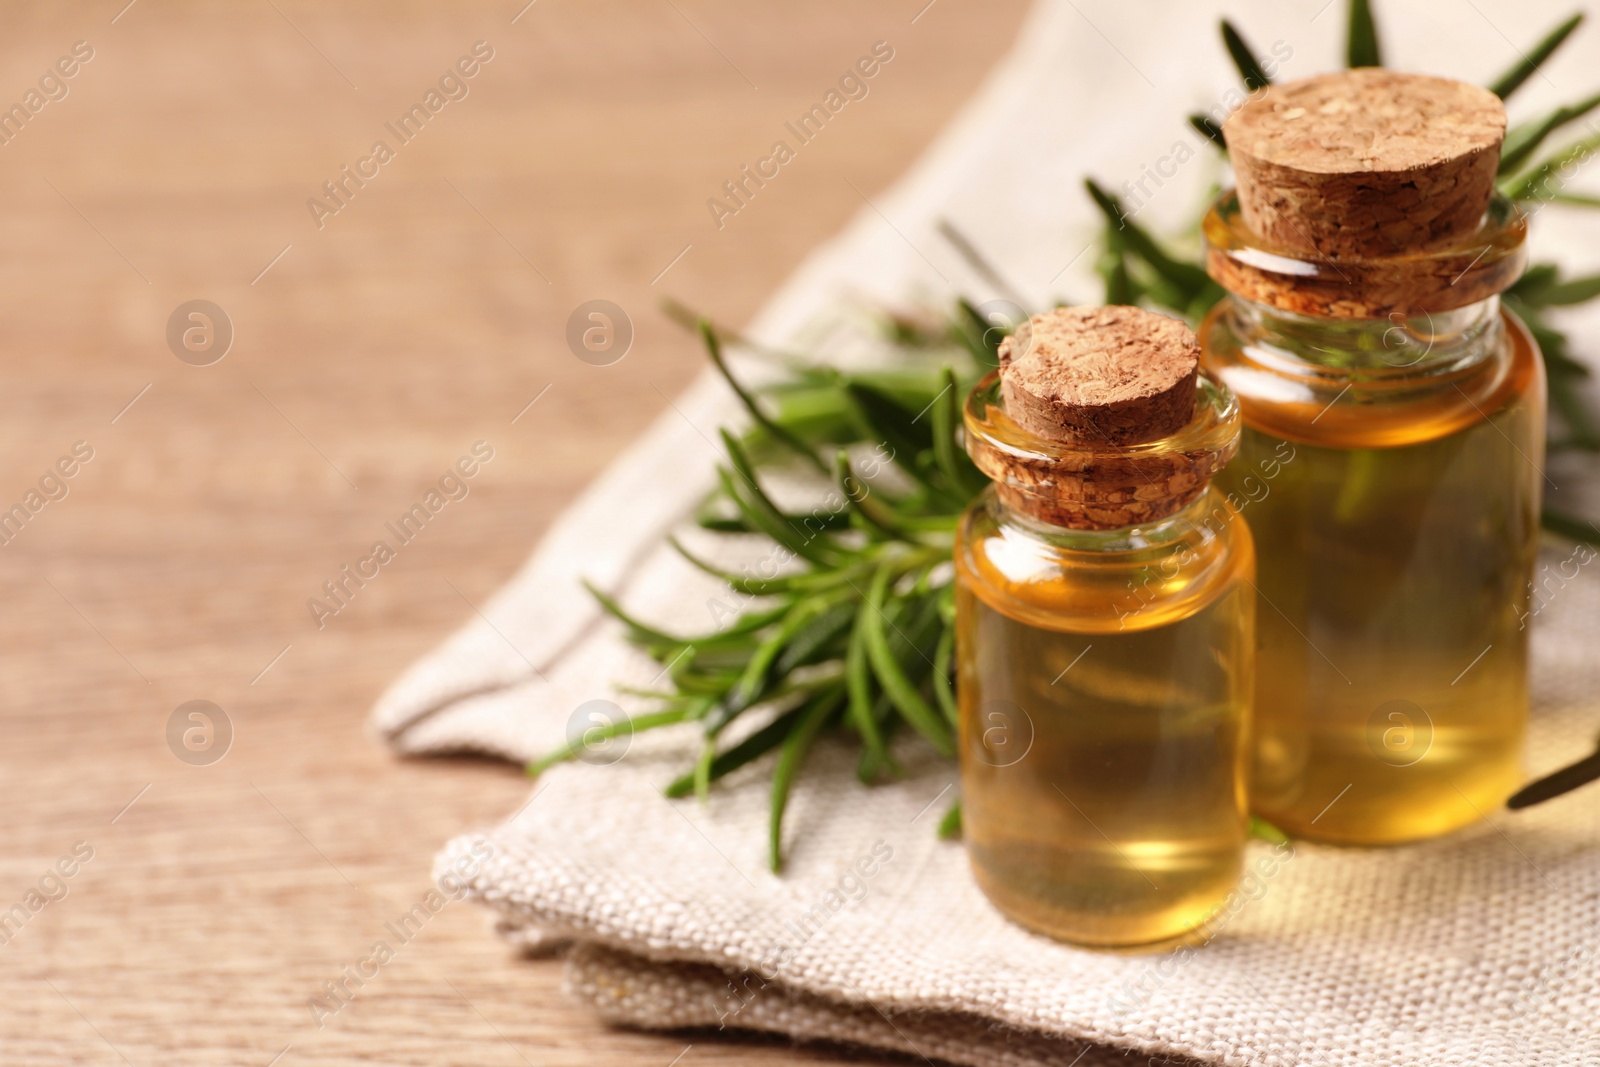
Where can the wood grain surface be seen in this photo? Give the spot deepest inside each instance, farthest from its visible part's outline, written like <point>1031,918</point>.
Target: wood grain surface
<point>175,164</point>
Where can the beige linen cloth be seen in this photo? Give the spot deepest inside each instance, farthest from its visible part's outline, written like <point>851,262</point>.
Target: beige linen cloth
<point>1476,949</point>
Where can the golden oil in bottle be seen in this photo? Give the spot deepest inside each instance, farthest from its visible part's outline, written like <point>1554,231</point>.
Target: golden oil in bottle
<point>1390,469</point>
<point>1104,641</point>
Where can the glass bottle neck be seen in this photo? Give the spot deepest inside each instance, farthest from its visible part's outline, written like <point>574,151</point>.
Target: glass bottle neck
<point>1399,347</point>
<point>1199,520</point>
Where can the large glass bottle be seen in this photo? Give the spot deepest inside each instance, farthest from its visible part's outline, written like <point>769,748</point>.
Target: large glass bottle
<point>1390,469</point>
<point>1104,666</point>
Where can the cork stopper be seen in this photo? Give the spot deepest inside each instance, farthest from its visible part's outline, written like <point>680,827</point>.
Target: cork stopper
<point>1112,376</point>
<point>1091,396</point>
<point>1366,163</point>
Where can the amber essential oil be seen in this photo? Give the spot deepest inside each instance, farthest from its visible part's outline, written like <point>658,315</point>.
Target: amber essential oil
<point>1403,523</point>
<point>1104,681</point>
<point>1403,411</point>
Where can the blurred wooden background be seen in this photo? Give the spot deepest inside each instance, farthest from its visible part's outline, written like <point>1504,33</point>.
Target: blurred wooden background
<point>367,356</point>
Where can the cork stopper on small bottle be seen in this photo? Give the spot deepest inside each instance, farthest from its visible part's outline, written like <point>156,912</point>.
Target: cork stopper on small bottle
<point>1366,163</point>
<point>1096,390</point>
<point>1100,376</point>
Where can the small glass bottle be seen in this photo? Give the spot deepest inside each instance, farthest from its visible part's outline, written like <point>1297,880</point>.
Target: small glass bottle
<point>1390,466</point>
<point>1104,633</point>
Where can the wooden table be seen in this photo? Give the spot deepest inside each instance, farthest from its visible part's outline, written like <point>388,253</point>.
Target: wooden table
<point>367,355</point>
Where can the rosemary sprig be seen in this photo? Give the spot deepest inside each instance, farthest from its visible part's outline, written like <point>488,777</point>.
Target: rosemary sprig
<point>855,636</point>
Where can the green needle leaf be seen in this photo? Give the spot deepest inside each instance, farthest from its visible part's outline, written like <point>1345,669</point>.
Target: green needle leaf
<point>950,825</point>
<point>1575,291</point>
<point>1361,43</point>
<point>596,734</point>
<point>1525,139</point>
<point>877,516</point>
<point>638,630</point>
<point>858,686</point>
<point>817,637</point>
<point>1265,831</point>
<point>1575,414</point>
<point>958,470</point>
<point>980,335</point>
<point>702,770</point>
<point>1543,181</point>
<point>1120,288</point>
<point>799,447</point>
<point>893,424</point>
<point>757,744</point>
<point>795,748</point>
<point>901,692</point>
<point>1254,77</point>
<point>755,680</point>
<point>746,493</point>
<point>1188,279</point>
<point>1573,529</point>
<point>1524,68</point>
<point>1203,125</point>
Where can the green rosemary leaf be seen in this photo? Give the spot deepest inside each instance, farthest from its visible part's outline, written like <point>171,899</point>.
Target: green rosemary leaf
<point>858,688</point>
<point>1582,431</point>
<point>873,763</point>
<point>1551,786</point>
<point>596,734</point>
<point>1523,140</point>
<point>779,433</point>
<point>817,637</point>
<point>638,631</point>
<point>950,825</point>
<point>1265,831</point>
<point>1185,277</point>
<point>877,518</point>
<point>690,320</point>
<point>1573,529</point>
<point>1521,71</point>
<point>1574,291</point>
<point>734,636</point>
<point>756,745</point>
<point>817,413</point>
<point>739,583</point>
<point>1120,288</point>
<point>943,522</point>
<point>894,425</point>
<point>1536,278</point>
<point>908,438</point>
<point>761,512</point>
<point>1203,125</point>
<point>829,522</point>
<point>1244,59</point>
<point>1565,366</point>
<point>910,387</point>
<point>981,336</point>
<point>1575,199</point>
<point>753,683</point>
<point>1552,344</point>
<point>796,746</point>
<point>1543,179</point>
<point>958,470</point>
<point>1361,41</point>
<point>978,262</point>
<point>702,770</point>
<point>901,692</point>
<point>703,684</point>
